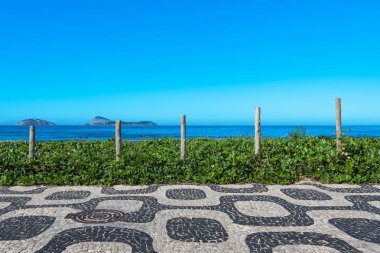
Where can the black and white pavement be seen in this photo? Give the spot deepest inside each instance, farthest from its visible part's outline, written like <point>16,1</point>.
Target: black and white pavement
<point>304,217</point>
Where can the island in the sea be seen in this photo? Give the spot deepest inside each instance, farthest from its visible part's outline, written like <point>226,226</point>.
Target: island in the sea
<point>101,121</point>
<point>35,122</point>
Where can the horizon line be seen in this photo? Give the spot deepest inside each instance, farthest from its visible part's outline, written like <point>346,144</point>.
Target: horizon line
<point>158,125</point>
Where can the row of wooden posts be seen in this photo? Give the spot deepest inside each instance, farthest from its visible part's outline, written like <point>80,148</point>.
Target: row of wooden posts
<point>32,134</point>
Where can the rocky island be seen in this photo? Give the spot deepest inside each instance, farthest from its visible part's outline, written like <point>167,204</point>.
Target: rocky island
<point>101,121</point>
<point>35,122</point>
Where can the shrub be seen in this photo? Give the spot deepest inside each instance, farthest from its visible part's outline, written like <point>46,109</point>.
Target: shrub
<point>213,161</point>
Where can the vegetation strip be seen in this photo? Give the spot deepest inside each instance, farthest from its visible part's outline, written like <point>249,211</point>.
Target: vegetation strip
<point>282,161</point>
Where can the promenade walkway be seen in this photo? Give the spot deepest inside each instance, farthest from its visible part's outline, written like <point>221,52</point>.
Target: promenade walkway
<point>304,217</point>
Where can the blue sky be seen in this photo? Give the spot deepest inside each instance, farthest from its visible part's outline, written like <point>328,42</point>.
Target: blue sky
<point>68,61</point>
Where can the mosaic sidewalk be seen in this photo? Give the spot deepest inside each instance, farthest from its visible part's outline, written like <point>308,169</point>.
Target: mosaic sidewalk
<point>304,217</point>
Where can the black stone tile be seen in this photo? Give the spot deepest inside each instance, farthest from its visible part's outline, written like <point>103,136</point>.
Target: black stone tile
<point>15,203</point>
<point>363,202</point>
<point>196,230</point>
<point>305,194</point>
<point>139,241</point>
<point>256,188</point>
<point>185,194</point>
<point>24,227</point>
<point>6,190</point>
<point>266,241</point>
<point>362,229</point>
<point>362,189</point>
<point>65,195</point>
<point>113,191</point>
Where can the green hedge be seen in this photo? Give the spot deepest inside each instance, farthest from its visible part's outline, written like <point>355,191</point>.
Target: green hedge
<point>282,161</point>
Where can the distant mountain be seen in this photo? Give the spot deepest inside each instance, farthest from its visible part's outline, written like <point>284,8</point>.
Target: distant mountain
<point>101,121</point>
<point>140,123</point>
<point>35,122</point>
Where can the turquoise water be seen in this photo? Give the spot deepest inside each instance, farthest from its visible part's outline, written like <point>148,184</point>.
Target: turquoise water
<point>156,132</point>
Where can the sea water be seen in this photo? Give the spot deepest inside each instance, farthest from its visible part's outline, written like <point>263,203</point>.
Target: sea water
<point>46,133</point>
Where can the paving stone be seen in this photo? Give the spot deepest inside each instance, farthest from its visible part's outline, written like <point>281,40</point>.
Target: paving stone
<point>260,208</point>
<point>305,217</point>
<point>375,204</point>
<point>362,229</point>
<point>97,216</point>
<point>139,241</point>
<point>22,190</point>
<point>110,247</point>
<point>113,191</point>
<point>125,206</point>
<point>304,249</point>
<point>21,228</point>
<point>68,195</point>
<point>185,194</point>
<point>265,242</point>
<point>4,205</point>
<point>196,230</point>
<point>305,194</point>
<point>256,188</point>
<point>347,189</point>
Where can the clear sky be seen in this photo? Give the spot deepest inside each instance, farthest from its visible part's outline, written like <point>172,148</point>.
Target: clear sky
<point>68,61</point>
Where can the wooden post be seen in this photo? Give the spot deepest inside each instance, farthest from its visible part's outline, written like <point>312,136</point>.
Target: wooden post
<point>338,124</point>
<point>32,140</point>
<point>118,138</point>
<point>257,132</point>
<point>183,136</point>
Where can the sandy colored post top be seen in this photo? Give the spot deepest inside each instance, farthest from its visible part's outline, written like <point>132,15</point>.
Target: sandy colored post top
<point>32,140</point>
<point>338,108</point>
<point>257,131</point>
<point>118,138</point>
<point>183,136</point>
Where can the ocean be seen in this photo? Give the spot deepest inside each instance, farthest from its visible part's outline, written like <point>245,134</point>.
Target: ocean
<point>49,133</point>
